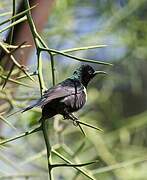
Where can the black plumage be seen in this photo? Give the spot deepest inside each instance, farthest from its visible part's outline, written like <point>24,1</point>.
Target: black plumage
<point>66,97</point>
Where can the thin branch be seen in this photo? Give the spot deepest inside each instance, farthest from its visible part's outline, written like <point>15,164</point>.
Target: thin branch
<point>15,81</point>
<point>37,44</point>
<point>74,57</point>
<point>20,135</point>
<point>12,67</point>
<point>51,57</point>
<point>48,147</point>
<point>123,164</point>
<point>10,46</point>
<point>53,69</point>
<point>80,48</point>
<point>13,20</point>
<point>88,125</point>
<point>73,165</point>
<point>82,130</point>
<point>40,74</point>
<point>17,15</point>
<point>14,23</point>
<point>41,81</point>
<point>7,78</point>
<point>78,168</point>
<point>7,122</point>
<point>14,60</point>
<point>18,47</point>
<point>24,76</point>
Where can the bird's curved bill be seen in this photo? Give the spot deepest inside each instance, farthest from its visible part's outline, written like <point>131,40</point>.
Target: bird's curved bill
<point>100,72</point>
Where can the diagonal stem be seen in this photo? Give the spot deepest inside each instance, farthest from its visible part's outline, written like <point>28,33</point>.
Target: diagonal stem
<point>20,135</point>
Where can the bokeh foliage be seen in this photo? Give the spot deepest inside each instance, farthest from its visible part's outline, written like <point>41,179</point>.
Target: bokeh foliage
<point>116,103</point>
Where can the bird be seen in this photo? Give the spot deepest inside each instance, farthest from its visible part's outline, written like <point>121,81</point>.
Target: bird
<point>68,96</point>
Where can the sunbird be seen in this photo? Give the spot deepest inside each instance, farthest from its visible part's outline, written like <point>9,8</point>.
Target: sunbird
<point>68,96</point>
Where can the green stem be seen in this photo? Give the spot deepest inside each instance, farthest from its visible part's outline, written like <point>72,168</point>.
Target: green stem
<point>74,57</point>
<point>78,168</point>
<point>73,165</point>
<point>88,125</point>
<point>41,81</point>
<point>40,74</point>
<point>20,135</point>
<point>15,61</point>
<point>81,48</point>
<point>13,24</point>
<point>15,81</point>
<point>12,29</point>
<point>51,57</point>
<point>48,147</point>
<point>37,44</point>
<point>17,16</point>
<point>53,69</point>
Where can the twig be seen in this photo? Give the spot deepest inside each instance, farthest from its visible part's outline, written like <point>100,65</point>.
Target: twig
<point>15,46</point>
<point>82,130</point>
<point>51,57</point>
<point>17,15</point>
<point>37,44</point>
<point>21,135</point>
<point>14,23</point>
<point>52,67</point>
<point>78,168</point>
<point>15,81</point>
<point>73,165</point>
<point>74,57</point>
<point>14,60</point>
<point>6,122</point>
<point>86,124</point>
<point>81,48</point>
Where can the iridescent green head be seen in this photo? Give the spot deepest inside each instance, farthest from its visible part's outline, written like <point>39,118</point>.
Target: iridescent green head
<point>85,73</point>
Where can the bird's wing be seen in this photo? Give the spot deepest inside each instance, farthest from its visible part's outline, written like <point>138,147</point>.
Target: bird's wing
<point>64,89</point>
<point>61,90</point>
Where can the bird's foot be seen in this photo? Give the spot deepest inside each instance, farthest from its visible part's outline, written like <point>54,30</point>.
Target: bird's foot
<point>65,117</point>
<point>73,118</point>
<point>75,122</point>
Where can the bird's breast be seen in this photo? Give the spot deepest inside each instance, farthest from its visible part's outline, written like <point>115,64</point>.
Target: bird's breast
<point>75,101</point>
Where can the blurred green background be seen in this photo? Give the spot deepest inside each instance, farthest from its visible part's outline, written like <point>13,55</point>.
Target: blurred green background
<point>116,103</point>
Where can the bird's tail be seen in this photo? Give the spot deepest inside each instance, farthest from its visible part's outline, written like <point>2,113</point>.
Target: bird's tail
<point>30,107</point>
<point>26,109</point>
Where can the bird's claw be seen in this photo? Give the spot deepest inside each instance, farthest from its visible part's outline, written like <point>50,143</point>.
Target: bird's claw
<point>75,122</point>
<point>65,117</point>
<point>73,118</point>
